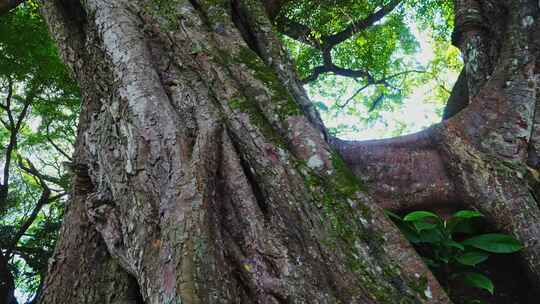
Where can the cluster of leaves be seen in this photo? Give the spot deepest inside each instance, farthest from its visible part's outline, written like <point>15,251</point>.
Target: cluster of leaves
<point>437,15</point>
<point>455,247</point>
<point>37,90</point>
<point>390,51</point>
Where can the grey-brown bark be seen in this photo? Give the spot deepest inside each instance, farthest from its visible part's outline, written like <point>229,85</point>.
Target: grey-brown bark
<point>403,173</point>
<point>208,176</point>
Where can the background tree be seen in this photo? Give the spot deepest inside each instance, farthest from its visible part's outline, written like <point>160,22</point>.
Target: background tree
<point>38,110</point>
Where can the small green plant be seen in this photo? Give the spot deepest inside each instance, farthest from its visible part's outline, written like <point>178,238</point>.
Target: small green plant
<point>453,248</point>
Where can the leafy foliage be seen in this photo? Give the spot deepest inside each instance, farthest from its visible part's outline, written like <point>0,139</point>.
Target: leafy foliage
<point>406,51</point>
<point>454,247</point>
<point>39,104</point>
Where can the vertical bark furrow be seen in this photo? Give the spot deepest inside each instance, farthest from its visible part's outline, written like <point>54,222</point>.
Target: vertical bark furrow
<point>470,35</point>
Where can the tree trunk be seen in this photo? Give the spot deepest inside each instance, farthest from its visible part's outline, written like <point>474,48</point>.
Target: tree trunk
<point>204,175</point>
<point>7,283</point>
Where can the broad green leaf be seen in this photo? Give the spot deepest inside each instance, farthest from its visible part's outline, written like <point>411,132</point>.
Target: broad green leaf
<point>461,225</point>
<point>430,262</point>
<point>478,280</point>
<point>454,244</point>
<point>420,225</point>
<point>494,242</point>
<point>419,215</point>
<point>431,236</point>
<point>466,214</point>
<point>472,258</point>
<point>409,232</point>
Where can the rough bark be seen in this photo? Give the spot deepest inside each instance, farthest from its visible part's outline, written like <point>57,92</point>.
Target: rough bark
<point>403,173</point>
<point>82,271</point>
<point>208,175</point>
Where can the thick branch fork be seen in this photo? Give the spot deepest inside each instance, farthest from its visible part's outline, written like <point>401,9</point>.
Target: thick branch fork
<point>403,173</point>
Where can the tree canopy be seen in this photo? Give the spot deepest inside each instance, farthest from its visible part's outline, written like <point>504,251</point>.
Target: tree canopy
<point>361,59</point>
<point>38,113</point>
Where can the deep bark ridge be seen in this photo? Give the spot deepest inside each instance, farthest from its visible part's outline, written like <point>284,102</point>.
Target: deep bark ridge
<point>204,174</point>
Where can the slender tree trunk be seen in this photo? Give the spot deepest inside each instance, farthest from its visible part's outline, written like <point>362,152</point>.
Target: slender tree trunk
<point>204,174</point>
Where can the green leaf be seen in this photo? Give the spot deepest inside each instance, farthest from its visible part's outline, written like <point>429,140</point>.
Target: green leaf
<point>460,225</point>
<point>444,259</point>
<point>472,258</point>
<point>454,245</point>
<point>409,232</point>
<point>431,236</point>
<point>494,242</point>
<point>430,262</point>
<point>467,214</point>
<point>419,215</point>
<point>419,225</point>
<point>478,280</point>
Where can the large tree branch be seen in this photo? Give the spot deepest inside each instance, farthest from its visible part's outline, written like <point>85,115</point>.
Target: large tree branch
<point>44,199</point>
<point>329,66</point>
<point>361,25</point>
<point>7,5</point>
<point>31,169</point>
<point>404,172</point>
<point>7,107</point>
<point>10,146</point>
<point>304,34</point>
